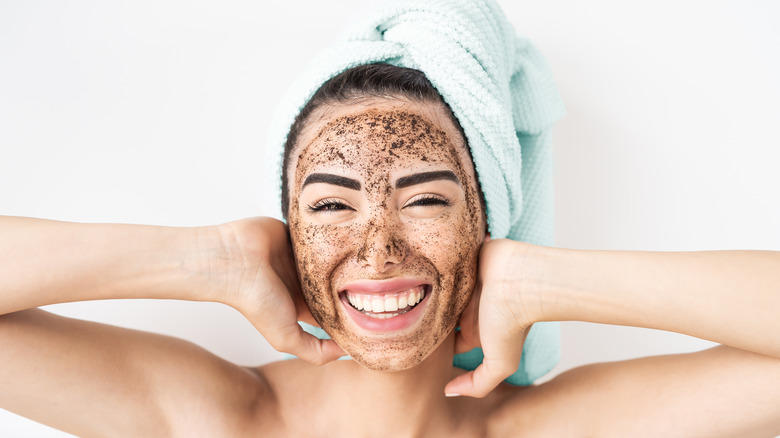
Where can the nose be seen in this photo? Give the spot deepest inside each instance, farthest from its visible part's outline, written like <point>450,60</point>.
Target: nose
<point>381,248</point>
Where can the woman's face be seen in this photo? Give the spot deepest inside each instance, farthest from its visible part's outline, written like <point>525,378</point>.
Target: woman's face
<point>386,225</point>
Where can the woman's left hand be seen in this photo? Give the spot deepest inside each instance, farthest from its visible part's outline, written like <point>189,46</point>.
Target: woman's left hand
<point>728,297</point>
<point>497,318</point>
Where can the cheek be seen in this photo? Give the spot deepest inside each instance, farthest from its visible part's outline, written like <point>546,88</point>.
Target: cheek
<point>317,241</point>
<point>447,241</point>
<point>319,250</point>
<point>452,245</point>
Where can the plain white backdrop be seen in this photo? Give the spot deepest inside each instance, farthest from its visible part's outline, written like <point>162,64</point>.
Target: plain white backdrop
<point>156,113</point>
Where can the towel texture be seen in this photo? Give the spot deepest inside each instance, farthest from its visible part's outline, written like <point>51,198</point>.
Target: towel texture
<point>501,91</point>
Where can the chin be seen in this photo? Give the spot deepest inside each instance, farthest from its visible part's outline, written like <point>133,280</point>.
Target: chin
<point>390,358</point>
<point>389,361</point>
<point>392,353</point>
<point>387,364</point>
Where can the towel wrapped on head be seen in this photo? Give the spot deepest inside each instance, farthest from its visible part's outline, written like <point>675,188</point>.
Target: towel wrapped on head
<point>501,91</point>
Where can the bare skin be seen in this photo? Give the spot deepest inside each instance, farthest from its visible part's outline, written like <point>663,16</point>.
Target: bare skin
<point>429,228</point>
<point>95,380</point>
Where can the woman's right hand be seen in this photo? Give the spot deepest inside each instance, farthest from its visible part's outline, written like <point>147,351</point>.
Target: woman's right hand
<point>259,279</point>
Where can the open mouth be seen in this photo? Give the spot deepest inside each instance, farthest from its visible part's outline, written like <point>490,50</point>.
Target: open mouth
<point>389,304</point>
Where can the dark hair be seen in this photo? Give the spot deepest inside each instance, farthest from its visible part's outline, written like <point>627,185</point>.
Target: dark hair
<point>350,86</point>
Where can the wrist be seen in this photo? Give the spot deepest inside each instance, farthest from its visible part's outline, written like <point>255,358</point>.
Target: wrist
<point>519,275</point>
<point>548,282</point>
<point>215,264</point>
<point>239,256</point>
<point>534,280</point>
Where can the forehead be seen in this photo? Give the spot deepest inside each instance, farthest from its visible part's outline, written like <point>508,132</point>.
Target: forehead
<point>378,135</point>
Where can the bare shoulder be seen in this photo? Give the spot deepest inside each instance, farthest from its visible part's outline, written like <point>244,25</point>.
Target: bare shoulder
<point>93,379</point>
<point>293,386</point>
<point>557,408</point>
<point>677,394</point>
<point>286,377</point>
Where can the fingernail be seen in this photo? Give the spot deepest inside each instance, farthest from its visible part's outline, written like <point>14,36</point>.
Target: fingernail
<point>452,394</point>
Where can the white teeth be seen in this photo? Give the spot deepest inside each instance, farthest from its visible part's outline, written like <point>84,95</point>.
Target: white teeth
<point>391,304</point>
<point>377,305</point>
<point>413,298</point>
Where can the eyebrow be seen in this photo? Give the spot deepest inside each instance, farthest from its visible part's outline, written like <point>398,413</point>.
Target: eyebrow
<point>424,177</point>
<point>329,178</point>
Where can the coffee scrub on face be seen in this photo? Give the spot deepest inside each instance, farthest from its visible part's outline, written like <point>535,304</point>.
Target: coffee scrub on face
<point>385,191</point>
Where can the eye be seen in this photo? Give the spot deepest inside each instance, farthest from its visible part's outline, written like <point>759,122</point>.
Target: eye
<point>328,205</point>
<point>428,201</point>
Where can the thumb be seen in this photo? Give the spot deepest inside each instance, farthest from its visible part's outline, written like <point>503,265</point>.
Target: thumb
<point>502,357</point>
<point>294,340</point>
<point>481,381</point>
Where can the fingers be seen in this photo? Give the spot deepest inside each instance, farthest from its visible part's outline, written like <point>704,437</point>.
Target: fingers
<point>294,340</point>
<point>480,382</point>
<point>319,351</point>
<point>502,357</point>
<point>502,351</point>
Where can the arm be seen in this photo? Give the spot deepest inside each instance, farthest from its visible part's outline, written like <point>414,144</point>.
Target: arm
<point>245,264</point>
<point>723,296</point>
<point>94,379</point>
<point>730,297</point>
<point>46,262</point>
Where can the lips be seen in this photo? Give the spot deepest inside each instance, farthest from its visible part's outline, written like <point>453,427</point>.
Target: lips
<point>384,305</point>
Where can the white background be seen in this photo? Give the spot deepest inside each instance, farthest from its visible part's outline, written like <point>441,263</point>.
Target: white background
<point>156,112</point>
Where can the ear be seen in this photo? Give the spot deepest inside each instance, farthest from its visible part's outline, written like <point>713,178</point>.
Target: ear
<point>487,237</point>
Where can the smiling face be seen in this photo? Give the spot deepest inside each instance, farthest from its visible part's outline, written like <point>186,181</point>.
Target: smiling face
<point>386,224</point>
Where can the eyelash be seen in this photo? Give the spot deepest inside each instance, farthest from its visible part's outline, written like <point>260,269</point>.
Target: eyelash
<point>429,201</point>
<point>332,205</point>
<point>327,205</point>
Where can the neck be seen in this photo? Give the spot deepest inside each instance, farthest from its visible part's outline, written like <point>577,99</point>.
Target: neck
<point>399,403</point>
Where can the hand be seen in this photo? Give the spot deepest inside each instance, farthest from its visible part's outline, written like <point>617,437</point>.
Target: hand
<point>265,288</point>
<point>496,318</point>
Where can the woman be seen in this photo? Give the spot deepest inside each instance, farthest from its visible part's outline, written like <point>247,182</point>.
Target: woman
<point>404,223</point>
<point>398,230</point>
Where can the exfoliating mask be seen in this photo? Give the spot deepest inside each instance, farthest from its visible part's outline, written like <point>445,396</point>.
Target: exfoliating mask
<point>386,225</point>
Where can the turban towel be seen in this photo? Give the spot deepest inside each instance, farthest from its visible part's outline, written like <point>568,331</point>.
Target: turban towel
<point>502,92</point>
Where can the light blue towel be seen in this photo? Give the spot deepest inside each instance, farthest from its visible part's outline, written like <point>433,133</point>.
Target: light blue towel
<point>502,92</point>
